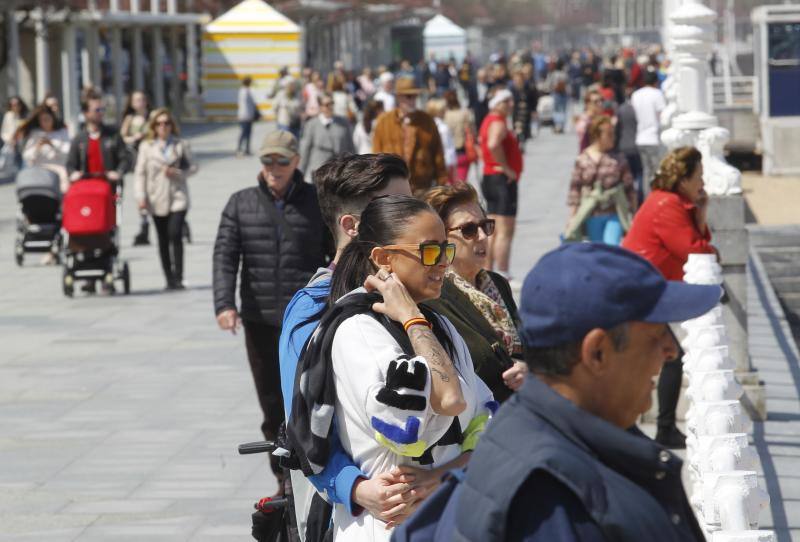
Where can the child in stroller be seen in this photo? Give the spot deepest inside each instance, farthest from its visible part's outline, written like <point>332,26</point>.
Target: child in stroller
<point>39,217</point>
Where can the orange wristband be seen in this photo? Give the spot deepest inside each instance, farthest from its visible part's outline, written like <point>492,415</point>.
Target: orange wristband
<point>416,322</point>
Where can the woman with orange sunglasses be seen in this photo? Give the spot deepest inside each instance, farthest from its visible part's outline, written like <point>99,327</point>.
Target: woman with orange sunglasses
<point>396,376</point>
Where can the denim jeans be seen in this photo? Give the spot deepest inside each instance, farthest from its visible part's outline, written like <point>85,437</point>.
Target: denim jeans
<point>604,229</point>
<point>651,158</point>
<point>559,110</point>
<point>246,128</point>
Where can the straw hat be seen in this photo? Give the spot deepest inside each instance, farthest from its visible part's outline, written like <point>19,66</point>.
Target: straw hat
<point>405,85</point>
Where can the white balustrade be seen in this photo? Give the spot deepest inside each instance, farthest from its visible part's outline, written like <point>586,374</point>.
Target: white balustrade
<point>720,459</point>
<point>743,536</point>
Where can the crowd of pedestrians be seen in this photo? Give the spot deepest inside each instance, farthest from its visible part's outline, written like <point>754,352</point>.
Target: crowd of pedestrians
<point>379,319</point>
<point>371,257</point>
<point>146,144</point>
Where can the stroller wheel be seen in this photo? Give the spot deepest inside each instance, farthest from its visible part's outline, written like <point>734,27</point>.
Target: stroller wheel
<point>108,283</point>
<point>69,284</point>
<point>125,275</point>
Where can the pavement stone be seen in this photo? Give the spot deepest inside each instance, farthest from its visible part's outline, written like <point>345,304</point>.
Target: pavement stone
<point>120,416</point>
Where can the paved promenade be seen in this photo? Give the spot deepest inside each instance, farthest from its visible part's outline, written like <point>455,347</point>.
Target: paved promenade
<point>120,416</point>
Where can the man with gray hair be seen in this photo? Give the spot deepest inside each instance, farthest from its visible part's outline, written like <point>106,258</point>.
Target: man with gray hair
<point>275,230</point>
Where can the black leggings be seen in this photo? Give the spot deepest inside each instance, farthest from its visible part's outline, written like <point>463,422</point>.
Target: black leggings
<point>170,244</point>
<point>669,389</point>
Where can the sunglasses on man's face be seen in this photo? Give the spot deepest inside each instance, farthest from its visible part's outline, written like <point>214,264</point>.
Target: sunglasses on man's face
<point>270,161</point>
<point>430,253</point>
<point>469,230</point>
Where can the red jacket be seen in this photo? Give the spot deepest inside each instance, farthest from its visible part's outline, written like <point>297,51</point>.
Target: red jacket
<point>664,233</point>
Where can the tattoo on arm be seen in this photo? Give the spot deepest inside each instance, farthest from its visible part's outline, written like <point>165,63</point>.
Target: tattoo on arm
<point>427,345</point>
<point>440,374</point>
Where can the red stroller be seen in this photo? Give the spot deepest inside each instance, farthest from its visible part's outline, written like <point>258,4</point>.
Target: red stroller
<point>91,212</point>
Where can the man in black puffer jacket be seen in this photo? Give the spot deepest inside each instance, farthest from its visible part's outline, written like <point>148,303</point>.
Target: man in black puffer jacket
<point>275,230</point>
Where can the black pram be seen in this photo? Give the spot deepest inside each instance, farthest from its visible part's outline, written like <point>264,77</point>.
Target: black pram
<point>39,217</point>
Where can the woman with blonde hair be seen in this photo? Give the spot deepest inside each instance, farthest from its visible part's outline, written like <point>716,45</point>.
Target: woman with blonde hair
<point>163,164</point>
<point>133,130</point>
<point>461,122</point>
<point>670,225</point>
<point>436,108</point>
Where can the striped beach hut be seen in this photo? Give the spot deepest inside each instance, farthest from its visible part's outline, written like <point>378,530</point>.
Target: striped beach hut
<point>251,38</point>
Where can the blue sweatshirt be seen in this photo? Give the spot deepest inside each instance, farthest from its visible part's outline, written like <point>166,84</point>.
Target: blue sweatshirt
<point>299,322</point>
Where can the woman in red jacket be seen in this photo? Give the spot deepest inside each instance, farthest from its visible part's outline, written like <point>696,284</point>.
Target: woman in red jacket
<point>670,225</point>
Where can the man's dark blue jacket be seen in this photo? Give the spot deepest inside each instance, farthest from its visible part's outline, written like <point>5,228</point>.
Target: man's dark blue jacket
<point>546,470</point>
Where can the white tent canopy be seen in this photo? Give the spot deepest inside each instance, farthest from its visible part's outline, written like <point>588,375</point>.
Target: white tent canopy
<point>252,16</point>
<point>444,39</point>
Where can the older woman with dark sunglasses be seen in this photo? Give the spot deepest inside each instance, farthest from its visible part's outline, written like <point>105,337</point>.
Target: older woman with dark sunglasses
<point>478,302</point>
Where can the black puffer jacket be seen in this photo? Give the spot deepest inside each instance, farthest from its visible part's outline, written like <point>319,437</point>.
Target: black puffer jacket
<point>275,263</point>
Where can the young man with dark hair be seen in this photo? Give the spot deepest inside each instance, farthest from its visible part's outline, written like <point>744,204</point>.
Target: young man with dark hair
<point>345,185</point>
<point>97,150</point>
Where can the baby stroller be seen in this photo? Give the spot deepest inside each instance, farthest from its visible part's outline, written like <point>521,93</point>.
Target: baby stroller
<point>545,110</point>
<point>91,214</point>
<point>39,217</point>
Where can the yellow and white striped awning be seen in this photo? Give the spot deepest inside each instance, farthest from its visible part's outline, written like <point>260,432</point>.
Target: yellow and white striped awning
<point>251,39</point>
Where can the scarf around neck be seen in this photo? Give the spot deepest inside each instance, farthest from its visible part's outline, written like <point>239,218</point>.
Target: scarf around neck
<point>487,299</point>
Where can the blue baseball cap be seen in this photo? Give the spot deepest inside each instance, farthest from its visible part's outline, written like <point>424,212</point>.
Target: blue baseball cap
<point>582,286</point>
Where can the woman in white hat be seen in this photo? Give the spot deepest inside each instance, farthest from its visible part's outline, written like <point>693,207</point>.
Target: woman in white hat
<point>502,166</point>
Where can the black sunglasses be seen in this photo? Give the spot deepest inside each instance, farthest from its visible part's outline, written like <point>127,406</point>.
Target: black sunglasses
<point>470,230</point>
<point>282,161</point>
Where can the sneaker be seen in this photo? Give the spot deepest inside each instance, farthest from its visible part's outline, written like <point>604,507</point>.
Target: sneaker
<point>671,438</point>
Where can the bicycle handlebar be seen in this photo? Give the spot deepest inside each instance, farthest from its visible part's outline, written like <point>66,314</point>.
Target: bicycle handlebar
<point>259,447</point>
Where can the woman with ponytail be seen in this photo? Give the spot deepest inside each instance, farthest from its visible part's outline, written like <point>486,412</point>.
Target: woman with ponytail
<point>398,378</point>
<point>670,225</point>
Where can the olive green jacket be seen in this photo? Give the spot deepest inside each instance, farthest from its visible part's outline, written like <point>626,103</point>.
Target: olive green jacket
<point>489,355</point>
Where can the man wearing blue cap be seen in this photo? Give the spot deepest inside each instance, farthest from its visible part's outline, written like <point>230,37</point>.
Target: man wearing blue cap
<point>563,459</point>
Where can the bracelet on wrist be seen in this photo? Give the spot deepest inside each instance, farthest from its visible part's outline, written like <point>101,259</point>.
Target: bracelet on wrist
<point>408,324</point>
